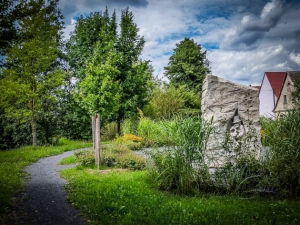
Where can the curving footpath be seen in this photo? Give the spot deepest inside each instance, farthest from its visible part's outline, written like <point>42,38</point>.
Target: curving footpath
<point>44,200</point>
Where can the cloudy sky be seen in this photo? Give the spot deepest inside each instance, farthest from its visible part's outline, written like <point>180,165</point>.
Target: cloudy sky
<point>243,38</point>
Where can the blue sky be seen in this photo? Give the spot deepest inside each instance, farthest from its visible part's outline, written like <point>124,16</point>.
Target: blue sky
<point>243,38</point>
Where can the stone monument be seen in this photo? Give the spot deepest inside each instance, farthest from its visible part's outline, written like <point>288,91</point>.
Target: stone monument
<point>233,110</point>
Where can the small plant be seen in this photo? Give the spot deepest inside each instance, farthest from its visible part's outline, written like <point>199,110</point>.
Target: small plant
<point>85,158</point>
<point>129,137</point>
<point>131,161</point>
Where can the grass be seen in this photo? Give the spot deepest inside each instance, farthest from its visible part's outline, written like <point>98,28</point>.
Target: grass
<point>68,160</point>
<point>13,161</point>
<point>130,198</point>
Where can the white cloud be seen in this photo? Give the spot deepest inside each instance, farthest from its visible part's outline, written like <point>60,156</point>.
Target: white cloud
<point>252,36</point>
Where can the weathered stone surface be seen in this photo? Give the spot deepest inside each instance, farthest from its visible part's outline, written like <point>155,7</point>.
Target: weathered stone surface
<point>234,109</point>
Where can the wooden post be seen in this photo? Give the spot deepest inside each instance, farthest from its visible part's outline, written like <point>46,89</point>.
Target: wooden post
<point>93,133</point>
<point>97,141</point>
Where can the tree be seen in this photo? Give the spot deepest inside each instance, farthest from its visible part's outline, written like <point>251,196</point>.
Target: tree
<point>188,65</point>
<point>80,48</point>
<point>135,74</point>
<point>98,92</point>
<point>168,101</point>
<point>30,77</point>
<point>83,39</point>
<point>296,92</point>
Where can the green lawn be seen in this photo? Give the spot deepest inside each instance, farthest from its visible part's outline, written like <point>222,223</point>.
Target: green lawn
<point>129,198</point>
<point>12,163</point>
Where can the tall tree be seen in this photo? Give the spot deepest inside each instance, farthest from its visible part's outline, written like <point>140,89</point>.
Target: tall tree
<point>98,92</point>
<point>83,39</point>
<point>188,65</point>
<point>135,74</point>
<point>30,77</point>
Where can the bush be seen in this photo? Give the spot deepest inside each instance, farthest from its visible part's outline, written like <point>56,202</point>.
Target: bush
<point>129,137</point>
<point>85,158</point>
<point>110,132</point>
<point>283,157</point>
<point>131,161</point>
<point>116,155</point>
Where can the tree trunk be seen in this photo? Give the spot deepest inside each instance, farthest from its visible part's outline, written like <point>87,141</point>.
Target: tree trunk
<point>97,141</point>
<point>119,127</point>
<point>93,133</point>
<point>33,125</point>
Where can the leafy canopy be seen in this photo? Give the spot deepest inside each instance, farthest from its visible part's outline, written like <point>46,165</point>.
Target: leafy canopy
<point>98,92</point>
<point>30,77</point>
<point>188,65</point>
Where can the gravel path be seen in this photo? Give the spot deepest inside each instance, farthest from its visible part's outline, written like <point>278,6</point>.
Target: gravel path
<point>44,201</point>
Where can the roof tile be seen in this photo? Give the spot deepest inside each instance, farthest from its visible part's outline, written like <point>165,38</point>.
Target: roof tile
<point>276,80</point>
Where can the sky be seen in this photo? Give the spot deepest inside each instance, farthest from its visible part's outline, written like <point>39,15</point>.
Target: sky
<point>243,38</point>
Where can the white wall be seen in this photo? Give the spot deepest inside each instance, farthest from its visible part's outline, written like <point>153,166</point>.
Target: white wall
<point>266,99</point>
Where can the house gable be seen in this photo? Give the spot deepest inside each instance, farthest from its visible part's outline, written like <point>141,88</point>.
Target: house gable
<point>285,102</point>
<point>269,92</point>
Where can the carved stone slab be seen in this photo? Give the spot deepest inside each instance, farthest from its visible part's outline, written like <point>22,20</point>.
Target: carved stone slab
<point>234,111</point>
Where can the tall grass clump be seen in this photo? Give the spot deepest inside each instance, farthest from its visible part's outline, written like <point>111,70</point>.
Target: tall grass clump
<point>153,132</point>
<point>282,162</point>
<point>181,166</point>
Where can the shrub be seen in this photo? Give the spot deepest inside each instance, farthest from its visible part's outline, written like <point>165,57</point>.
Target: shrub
<point>129,137</point>
<point>109,132</point>
<point>134,145</point>
<point>85,158</point>
<point>120,155</point>
<point>131,161</point>
<point>283,157</point>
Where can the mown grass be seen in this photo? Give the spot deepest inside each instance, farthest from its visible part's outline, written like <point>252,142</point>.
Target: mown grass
<point>130,198</point>
<point>13,161</point>
<point>68,160</point>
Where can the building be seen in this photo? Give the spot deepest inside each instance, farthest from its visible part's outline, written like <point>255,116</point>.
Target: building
<point>269,92</point>
<point>285,101</point>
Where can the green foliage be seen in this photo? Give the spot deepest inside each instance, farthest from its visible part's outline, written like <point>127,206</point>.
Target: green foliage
<point>68,160</point>
<point>283,155</point>
<point>130,198</point>
<point>188,65</point>
<point>170,101</point>
<point>12,163</point>
<point>85,158</point>
<point>98,92</point>
<point>30,80</point>
<point>296,92</point>
<point>135,74</point>
<point>181,167</point>
<point>109,132</point>
<point>80,47</point>
<point>113,155</point>
<point>154,132</point>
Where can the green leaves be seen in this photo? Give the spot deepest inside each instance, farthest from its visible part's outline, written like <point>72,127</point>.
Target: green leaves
<point>98,92</point>
<point>188,65</point>
<point>31,77</point>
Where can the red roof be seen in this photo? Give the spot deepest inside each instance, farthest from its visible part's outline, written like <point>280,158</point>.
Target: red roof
<point>276,80</point>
